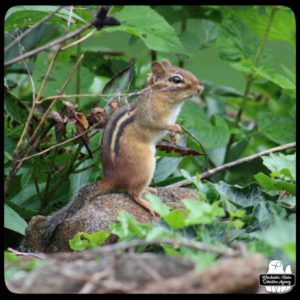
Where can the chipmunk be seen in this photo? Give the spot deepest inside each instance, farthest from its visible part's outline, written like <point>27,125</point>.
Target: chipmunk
<point>130,136</point>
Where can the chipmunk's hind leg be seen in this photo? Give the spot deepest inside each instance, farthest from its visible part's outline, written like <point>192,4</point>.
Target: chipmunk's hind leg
<point>137,197</point>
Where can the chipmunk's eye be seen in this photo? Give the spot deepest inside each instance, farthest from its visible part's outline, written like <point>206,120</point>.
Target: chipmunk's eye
<point>176,79</point>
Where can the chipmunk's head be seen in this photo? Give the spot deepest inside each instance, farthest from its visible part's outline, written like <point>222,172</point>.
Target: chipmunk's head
<point>175,82</point>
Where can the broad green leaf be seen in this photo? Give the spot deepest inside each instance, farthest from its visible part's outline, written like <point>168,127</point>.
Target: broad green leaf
<point>282,234</point>
<point>128,226</point>
<point>236,41</point>
<point>77,180</point>
<point>283,25</point>
<point>158,233</point>
<point>118,84</point>
<point>13,221</point>
<point>26,193</point>
<point>280,162</point>
<point>212,133</point>
<point>200,212</point>
<point>97,237</point>
<point>15,108</point>
<point>165,167</point>
<point>241,197</point>
<point>286,83</point>
<point>77,244</point>
<point>27,15</point>
<point>152,28</point>
<point>161,208</point>
<point>58,76</point>
<point>278,129</point>
<point>274,185</point>
<point>175,219</point>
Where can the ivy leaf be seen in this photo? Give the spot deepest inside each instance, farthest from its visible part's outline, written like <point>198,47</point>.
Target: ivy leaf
<point>281,163</point>
<point>151,27</point>
<point>158,233</point>
<point>77,244</point>
<point>13,221</point>
<point>97,237</point>
<point>128,226</point>
<point>274,186</point>
<point>161,208</point>
<point>175,219</point>
<point>249,196</point>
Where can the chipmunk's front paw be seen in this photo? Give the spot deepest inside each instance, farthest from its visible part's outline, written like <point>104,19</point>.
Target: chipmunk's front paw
<point>175,128</point>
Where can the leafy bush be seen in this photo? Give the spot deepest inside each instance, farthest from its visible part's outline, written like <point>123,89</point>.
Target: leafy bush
<point>244,56</point>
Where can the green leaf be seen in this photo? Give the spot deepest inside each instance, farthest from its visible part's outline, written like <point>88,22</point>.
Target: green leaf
<point>236,41</point>
<point>161,208</point>
<point>13,221</point>
<point>249,196</point>
<point>200,212</point>
<point>278,129</point>
<point>274,185</point>
<point>15,108</point>
<point>279,79</point>
<point>79,179</point>
<point>24,16</point>
<point>151,27</point>
<point>212,133</point>
<point>284,165</point>
<point>26,193</point>
<point>98,237</point>
<point>175,219</point>
<point>128,226</point>
<point>282,234</point>
<point>118,84</point>
<point>283,25</point>
<point>77,244</point>
<point>58,76</point>
<point>158,233</point>
<point>165,167</point>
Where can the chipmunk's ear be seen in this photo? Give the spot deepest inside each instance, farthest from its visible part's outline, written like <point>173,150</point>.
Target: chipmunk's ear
<point>158,70</point>
<point>166,63</point>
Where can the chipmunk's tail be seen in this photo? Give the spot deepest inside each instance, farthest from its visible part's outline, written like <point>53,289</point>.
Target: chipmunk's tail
<point>84,195</point>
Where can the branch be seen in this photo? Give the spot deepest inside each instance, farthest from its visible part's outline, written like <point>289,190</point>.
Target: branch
<point>26,32</point>
<point>232,164</point>
<point>173,241</point>
<point>49,45</point>
<point>60,144</point>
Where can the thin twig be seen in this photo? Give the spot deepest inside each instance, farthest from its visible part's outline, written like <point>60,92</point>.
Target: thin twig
<point>40,256</point>
<point>60,144</point>
<point>173,241</point>
<point>67,81</point>
<point>232,164</point>
<point>79,40</point>
<point>49,45</point>
<point>30,29</point>
<point>208,161</point>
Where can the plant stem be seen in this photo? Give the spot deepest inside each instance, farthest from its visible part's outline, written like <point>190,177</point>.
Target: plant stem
<point>30,29</point>
<point>233,164</point>
<point>183,29</point>
<point>249,81</point>
<point>49,45</point>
